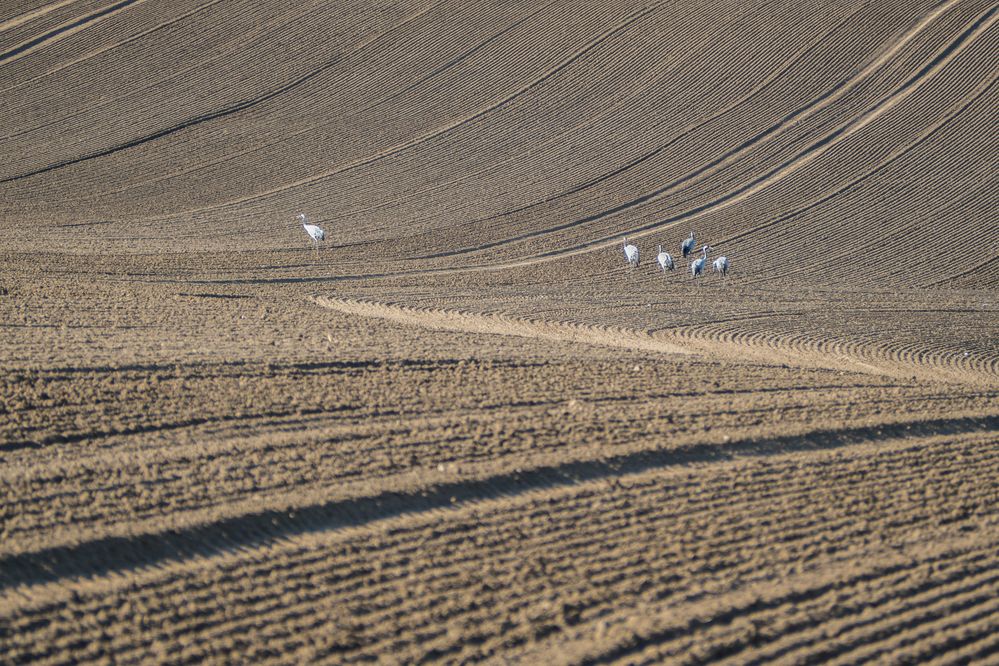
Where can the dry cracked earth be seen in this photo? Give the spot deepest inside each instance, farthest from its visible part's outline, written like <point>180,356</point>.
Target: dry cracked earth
<point>463,429</point>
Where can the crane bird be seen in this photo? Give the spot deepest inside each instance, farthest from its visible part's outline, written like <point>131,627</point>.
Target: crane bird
<point>314,232</point>
<point>630,253</point>
<point>688,245</point>
<point>720,265</point>
<point>697,268</point>
<point>665,260</point>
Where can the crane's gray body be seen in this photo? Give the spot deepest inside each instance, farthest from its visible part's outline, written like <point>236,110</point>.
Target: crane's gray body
<point>688,245</point>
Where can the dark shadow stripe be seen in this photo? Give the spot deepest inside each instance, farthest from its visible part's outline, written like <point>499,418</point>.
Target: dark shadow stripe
<point>196,120</point>
<point>58,31</point>
<point>748,143</point>
<point>102,556</point>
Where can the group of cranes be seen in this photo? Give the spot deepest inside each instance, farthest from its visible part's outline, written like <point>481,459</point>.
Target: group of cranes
<point>665,259</point>
<point>631,254</point>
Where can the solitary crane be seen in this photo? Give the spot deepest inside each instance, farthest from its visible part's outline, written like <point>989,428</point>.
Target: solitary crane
<point>665,260</point>
<point>315,232</point>
<point>630,253</point>
<point>688,245</point>
<point>720,265</point>
<point>697,268</point>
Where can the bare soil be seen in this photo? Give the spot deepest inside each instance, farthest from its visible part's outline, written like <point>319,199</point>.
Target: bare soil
<point>465,429</point>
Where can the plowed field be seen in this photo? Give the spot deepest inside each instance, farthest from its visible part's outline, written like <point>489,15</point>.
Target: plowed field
<point>465,429</point>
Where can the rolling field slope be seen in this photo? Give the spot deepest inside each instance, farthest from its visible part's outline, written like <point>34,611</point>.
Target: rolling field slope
<point>465,429</point>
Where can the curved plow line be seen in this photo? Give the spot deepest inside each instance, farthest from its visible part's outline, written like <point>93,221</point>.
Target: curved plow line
<point>569,514</point>
<point>468,322</point>
<point>866,243</point>
<point>806,112</point>
<point>467,53</point>
<point>141,92</point>
<point>971,653</point>
<point>110,47</point>
<point>310,562</point>
<point>743,345</point>
<point>878,357</point>
<point>602,117</point>
<point>352,593</point>
<point>61,589</point>
<point>761,495</point>
<point>279,613</point>
<point>406,20</point>
<point>893,610</point>
<point>922,626</point>
<point>788,168</point>
<point>65,30</point>
<point>263,146</point>
<point>803,159</point>
<point>389,151</point>
<point>630,19</point>
<point>925,631</point>
<point>968,620</point>
<point>890,159</point>
<point>287,443</point>
<point>32,15</point>
<point>685,617</point>
<point>756,500</point>
<point>523,168</point>
<point>257,606</point>
<point>602,571</point>
<point>778,174</point>
<point>871,237</point>
<point>773,349</point>
<point>682,133</point>
<point>967,271</point>
<point>211,115</point>
<point>697,176</point>
<point>810,624</point>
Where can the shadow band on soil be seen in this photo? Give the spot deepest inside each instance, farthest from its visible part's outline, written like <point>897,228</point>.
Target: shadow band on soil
<point>110,554</point>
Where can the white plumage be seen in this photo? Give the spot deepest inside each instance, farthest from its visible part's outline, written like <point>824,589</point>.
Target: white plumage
<point>697,268</point>
<point>665,260</point>
<point>316,233</point>
<point>630,253</point>
<point>720,265</point>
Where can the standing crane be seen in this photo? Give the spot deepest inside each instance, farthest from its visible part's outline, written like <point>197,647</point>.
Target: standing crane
<point>665,260</point>
<point>688,245</point>
<point>316,233</point>
<point>720,265</point>
<point>630,253</point>
<point>697,268</point>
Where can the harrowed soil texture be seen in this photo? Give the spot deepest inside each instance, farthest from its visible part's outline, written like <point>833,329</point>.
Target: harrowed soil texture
<point>464,429</point>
